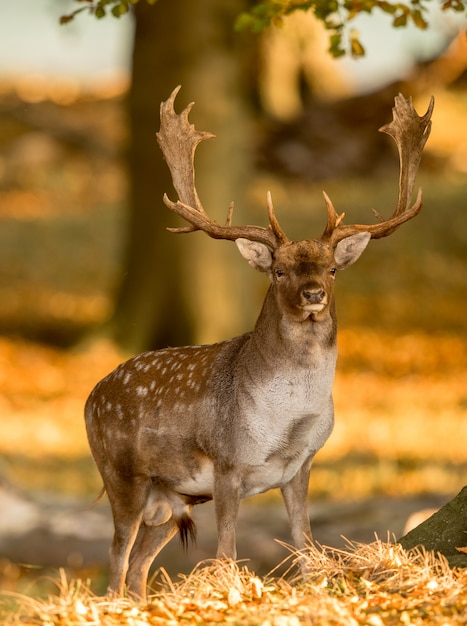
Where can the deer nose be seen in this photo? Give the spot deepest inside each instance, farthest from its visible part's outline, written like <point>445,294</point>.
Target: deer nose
<point>314,297</point>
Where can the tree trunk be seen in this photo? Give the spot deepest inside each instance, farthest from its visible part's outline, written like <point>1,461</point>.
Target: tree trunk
<point>445,532</point>
<point>192,44</point>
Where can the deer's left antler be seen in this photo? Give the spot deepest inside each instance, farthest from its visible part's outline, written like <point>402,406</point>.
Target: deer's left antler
<point>410,132</point>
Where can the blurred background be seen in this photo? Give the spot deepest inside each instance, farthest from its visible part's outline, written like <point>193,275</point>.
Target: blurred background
<point>89,275</point>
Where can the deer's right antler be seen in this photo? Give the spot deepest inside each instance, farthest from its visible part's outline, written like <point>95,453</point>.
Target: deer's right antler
<point>178,140</point>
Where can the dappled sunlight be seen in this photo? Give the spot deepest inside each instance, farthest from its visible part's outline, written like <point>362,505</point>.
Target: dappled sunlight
<point>43,391</point>
<point>401,396</point>
<point>34,87</point>
<point>420,418</point>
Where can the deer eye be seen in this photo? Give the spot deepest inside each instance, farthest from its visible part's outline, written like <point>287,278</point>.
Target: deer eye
<point>279,273</point>
<point>333,271</point>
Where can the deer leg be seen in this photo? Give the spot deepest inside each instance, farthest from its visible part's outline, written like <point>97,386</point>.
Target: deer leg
<point>149,542</point>
<point>295,494</point>
<point>226,503</point>
<point>127,499</point>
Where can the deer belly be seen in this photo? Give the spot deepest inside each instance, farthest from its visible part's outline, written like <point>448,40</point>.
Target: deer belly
<point>266,455</point>
<point>271,475</point>
<point>199,484</point>
<point>257,479</point>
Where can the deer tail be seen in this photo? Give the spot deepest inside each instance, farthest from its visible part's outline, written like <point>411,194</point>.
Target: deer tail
<point>99,496</point>
<point>97,499</point>
<point>187,530</point>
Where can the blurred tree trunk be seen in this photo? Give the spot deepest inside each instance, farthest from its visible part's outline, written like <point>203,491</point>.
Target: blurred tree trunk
<point>192,44</point>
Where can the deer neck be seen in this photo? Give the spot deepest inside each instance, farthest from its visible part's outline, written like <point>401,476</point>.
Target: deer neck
<point>280,339</point>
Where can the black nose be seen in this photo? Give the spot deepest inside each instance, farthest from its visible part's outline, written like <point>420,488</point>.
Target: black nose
<point>314,296</point>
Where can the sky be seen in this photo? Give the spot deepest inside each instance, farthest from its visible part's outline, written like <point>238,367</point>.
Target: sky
<point>90,50</point>
<point>33,41</point>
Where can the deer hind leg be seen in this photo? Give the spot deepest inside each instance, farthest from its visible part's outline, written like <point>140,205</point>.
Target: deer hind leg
<point>164,514</point>
<point>127,499</point>
<point>148,544</point>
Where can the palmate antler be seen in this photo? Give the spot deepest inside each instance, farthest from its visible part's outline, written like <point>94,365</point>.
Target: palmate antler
<point>178,140</point>
<point>410,132</point>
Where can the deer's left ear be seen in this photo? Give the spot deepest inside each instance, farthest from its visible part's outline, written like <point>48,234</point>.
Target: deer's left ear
<point>349,249</point>
<point>257,254</point>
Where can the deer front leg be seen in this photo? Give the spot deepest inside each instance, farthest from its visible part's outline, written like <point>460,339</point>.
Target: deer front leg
<point>295,494</point>
<point>226,504</point>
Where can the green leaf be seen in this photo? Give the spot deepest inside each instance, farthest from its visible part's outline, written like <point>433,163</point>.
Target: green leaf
<point>244,22</point>
<point>387,7</point>
<point>399,21</point>
<point>99,12</point>
<point>335,45</point>
<point>256,21</point>
<point>454,5</point>
<point>120,9</point>
<point>356,48</point>
<point>419,20</point>
<point>324,8</point>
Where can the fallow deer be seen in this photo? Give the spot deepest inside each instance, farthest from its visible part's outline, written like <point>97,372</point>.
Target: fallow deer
<point>176,427</point>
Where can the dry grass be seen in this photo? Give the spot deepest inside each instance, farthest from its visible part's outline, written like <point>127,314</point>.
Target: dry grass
<point>372,584</point>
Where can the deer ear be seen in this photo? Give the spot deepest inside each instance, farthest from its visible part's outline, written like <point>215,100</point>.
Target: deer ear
<point>349,249</point>
<point>257,254</point>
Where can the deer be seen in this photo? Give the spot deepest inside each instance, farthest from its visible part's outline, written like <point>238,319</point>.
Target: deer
<point>176,427</point>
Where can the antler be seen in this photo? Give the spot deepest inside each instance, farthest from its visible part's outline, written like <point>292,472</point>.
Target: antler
<point>410,132</point>
<point>178,140</point>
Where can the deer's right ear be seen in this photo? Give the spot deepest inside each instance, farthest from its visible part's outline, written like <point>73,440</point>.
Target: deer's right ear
<point>257,254</point>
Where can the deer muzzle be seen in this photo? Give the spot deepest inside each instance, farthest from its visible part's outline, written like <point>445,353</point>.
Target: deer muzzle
<point>314,300</point>
<point>314,296</point>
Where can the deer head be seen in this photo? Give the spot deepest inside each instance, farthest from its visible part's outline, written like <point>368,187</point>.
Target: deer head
<point>268,249</point>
